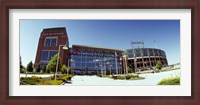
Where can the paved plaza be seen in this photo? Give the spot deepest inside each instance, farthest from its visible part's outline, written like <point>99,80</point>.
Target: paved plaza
<point>150,80</point>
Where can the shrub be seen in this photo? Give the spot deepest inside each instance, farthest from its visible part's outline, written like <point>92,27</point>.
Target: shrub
<point>128,77</point>
<point>99,75</point>
<point>63,77</point>
<point>170,81</point>
<point>23,70</point>
<point>159,65</point>
<point>30,67</point>
<point>69,78</point>
<point>114,77</point>
<point>65,69</point>
<point>156,71</point>
<point>121,77</point>
<point>110,76</point>
<point>133,77</point>
<point>51,66</point>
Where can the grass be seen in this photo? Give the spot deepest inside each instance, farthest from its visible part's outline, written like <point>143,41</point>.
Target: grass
<point>44,81</point>
<point>171,69</point>
<point>50,82</point>
<point>124,77</point>
<point>170,81</point>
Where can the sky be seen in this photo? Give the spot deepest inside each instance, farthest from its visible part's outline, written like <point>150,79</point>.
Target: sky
<point>115,34</point>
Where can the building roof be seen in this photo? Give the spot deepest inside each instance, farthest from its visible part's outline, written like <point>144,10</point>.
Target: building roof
<point>54,29</point>
<point>94,48</point>
<point>144,48</point>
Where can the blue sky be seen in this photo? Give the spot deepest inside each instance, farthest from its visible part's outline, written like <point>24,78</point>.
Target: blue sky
<point>116,34</point>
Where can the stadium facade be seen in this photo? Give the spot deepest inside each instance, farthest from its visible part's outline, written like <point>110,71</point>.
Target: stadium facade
<point>94,60</point>
<point>145,58</point>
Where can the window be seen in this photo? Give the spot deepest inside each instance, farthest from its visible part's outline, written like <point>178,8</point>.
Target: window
<point>95,62</point>
<point>145,52</point>
<point>50,41</point>
<point>156,52</point>
<point>44,56</point>
<point>51,54</point>
<point>47,55</point>
<point>137,52</point>
<point>53,41</point>
<point>151,52</point>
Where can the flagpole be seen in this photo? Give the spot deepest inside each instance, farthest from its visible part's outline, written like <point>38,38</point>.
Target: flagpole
<point>155,44</point>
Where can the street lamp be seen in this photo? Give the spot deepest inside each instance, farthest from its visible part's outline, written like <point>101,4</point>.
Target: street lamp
<point>96,69</point>
<point>110,69</point>
<point>101,70</point>
<point>64,48</point>
<point>73,68</point>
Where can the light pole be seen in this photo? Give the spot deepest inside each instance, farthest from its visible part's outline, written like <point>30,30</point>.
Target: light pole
<point>96,69</point>
<point>101,70</point>
<point>26,73</point>
<point>110,69</point>
<point>65,48</point>
<point>73,68</point>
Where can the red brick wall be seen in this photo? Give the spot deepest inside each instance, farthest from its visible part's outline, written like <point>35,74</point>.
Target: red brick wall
<point>62,39</point>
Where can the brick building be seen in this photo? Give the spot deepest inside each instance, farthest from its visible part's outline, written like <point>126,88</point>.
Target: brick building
<point>48,46</point>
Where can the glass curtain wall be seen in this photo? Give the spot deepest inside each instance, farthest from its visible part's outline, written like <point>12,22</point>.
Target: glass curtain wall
<point>93,61</point>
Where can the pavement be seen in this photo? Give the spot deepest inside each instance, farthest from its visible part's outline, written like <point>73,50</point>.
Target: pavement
<point>150,80</point>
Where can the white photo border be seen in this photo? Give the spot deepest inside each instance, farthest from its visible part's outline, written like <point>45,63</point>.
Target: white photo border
<point>184,15</point>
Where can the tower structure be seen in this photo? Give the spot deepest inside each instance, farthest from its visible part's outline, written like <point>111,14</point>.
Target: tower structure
<point>48,46</point>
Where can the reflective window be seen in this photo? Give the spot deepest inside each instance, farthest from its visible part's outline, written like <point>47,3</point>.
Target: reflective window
<point>47,42</point>
<point>137,52</point>
<point>43,64</point>
<point>145,53</point>
<point>94,60</point>
<point>53,41</point>
<point>130,53</point>
<point>47,55</point>
<point>50,41</point>
<point>156,52</point>
<point>162,53</point>
<point>51,54</point>
<point>151,52</point>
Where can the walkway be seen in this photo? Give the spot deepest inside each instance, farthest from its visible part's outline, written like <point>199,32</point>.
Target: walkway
<point>151,79</point>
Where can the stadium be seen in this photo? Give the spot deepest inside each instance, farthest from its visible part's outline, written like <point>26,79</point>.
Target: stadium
<point>140,59</point>
<point>89,60</point>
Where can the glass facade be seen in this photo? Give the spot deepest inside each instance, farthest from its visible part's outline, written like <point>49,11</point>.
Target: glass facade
<point>51,41</point>
<point>94,61</point>
<point>47,55</point>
